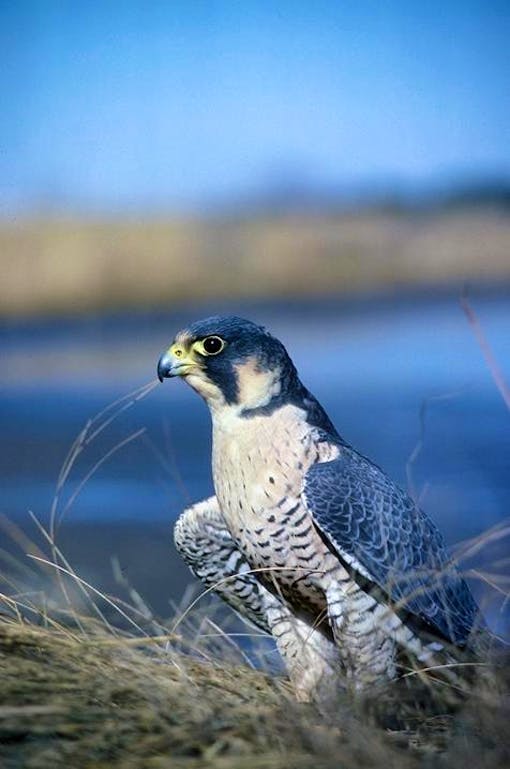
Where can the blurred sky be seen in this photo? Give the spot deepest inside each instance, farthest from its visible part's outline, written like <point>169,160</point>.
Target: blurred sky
<point>126,106</point>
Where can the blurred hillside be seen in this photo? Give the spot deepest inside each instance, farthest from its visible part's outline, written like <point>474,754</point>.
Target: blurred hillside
<point>73,265</point>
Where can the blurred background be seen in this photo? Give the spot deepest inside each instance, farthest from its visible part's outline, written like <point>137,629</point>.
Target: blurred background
<point>339,172</point>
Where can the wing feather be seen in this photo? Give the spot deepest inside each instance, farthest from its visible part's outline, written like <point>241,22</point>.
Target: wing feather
<point>380,532</point>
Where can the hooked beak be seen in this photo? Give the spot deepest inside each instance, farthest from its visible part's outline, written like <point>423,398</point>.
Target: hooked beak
<point>174,362</point>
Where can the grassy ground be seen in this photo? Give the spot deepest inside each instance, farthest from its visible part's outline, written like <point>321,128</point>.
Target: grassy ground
<point>87,697</point>
<point>68,701</point>
<point>71,265</point>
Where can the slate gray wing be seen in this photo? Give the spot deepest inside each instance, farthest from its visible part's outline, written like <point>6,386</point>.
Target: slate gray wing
<point>380,533</point>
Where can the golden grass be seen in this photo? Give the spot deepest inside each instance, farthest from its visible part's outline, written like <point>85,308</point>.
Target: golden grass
<point>69,701</point>
<point>78,265</point>
<point>78,695</point>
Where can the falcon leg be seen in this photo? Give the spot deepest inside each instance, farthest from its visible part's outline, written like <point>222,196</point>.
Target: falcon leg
<point>312,661</point>
<point>204,541</point>
<point>363,631</point>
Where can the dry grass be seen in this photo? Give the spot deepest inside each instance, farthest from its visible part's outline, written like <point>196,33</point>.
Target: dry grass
<point>73,265</point>
<point>80,696</point>
<point>74,701</point>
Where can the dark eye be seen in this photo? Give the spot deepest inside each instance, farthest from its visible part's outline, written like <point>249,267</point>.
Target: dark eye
<point>213,345</point>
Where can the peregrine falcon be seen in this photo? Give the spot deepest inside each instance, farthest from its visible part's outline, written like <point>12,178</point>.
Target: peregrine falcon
<point>305,537</point>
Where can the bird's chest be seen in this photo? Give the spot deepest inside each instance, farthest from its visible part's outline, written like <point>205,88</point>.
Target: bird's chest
<point>258,471</point>
<point>258,465</point>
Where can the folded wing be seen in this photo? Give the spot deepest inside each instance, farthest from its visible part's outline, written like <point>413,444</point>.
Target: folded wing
<point>380,533</point>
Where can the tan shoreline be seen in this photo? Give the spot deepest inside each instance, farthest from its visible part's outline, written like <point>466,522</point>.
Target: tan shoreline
<point>71,265</point>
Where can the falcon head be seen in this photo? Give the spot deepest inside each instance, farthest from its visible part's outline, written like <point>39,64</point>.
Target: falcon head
<point>230,361</point>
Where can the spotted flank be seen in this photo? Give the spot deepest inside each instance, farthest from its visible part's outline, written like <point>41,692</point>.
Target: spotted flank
<point>305,538</point>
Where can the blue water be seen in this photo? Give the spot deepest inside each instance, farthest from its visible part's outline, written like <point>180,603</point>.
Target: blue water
<point>375,363</point>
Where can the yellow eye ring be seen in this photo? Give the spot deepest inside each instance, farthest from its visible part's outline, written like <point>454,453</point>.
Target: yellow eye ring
<point>211,345</point>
